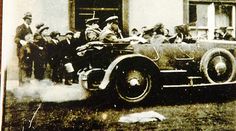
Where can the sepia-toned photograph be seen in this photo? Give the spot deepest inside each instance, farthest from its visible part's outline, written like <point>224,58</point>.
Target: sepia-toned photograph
<point>118,65</point>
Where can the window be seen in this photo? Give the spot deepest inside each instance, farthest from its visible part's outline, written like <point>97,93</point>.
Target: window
<point>206,17</point>
<point>223,15</point>
<point>198,14</point>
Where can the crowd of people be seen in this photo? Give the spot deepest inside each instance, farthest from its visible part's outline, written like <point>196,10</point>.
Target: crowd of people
<point>37,52</point>
<point>41,50</point>
<point>158,34</point>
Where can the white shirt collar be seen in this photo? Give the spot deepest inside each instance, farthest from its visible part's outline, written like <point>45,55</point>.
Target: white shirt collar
<point>26,25</point>
<point>68,41</point>
<point>55,41</point>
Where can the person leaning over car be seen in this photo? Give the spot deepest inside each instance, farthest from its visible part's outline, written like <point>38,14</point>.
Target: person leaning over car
<point>24,55</point>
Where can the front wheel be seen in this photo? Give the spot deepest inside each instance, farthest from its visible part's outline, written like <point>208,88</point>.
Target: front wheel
<point>134,82</point>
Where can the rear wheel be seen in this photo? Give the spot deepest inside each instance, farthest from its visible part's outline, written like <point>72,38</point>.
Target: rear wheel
<point>218,66</point>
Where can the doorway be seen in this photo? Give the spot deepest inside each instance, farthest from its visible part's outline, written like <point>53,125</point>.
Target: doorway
<point>85,9</point>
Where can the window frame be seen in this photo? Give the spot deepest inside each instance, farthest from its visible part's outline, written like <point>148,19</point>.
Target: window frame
<point>211,23</point>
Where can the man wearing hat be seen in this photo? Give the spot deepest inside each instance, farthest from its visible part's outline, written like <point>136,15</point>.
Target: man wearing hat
<point>111,32</point>
<point>24,49</point>
<point>39,52</point>
<point>147,33</point>
<point>225,34</point>
<point>38,26</point>
<point>158,34</point>
<point>92,30</point>
<point>54,53</point>
<point>218,34</point>
<point>67,47</point>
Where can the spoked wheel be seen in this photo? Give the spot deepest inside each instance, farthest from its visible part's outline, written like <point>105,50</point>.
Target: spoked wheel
<point>133,83</point>
<point>218,66</point>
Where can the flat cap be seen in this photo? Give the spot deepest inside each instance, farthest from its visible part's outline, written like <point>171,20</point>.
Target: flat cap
<point>223,28</point>
<point>147,30</point>
<point>53,34</point>
<point>42,28</point>
<point>69,33</point>
<point>112,19</point>
<point>91,20</point>
<point>38,26</point>
<point>158,26</point>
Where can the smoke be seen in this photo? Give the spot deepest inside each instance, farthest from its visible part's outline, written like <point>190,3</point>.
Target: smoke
<point>46,91</point>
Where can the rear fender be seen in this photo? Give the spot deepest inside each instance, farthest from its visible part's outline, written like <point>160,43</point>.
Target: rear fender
<point>111,70</point>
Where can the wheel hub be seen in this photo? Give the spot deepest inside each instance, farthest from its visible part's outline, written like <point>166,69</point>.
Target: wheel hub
<point>134,78</point>
<point>220,68</point>
<point>134,82</point>
<point>133,85</point>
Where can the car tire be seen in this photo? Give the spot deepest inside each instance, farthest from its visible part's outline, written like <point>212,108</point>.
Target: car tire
<point>135,82</point>
<point>218,66</point>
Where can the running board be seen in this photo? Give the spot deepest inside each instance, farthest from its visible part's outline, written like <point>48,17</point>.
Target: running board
<point>173,71</point>
<point>201,85</point>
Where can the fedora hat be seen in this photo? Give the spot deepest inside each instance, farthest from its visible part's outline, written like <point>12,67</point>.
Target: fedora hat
<point>27,15</point>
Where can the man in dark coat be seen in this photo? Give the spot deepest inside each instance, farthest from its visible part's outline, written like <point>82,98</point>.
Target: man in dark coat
<point>40,52</point>
<point>226,35</point>
<point>76,42</point>
<point>55,57</point>
<point>67,47</point>
<point>22,39</point>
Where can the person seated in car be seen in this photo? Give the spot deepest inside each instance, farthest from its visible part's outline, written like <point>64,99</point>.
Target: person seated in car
<point>158,34</point>
<point>218,35</point>
<point>111,32</point>
<point>147,33</point>
<point>92,30</point>
<point>135,33</point>
<point>182,35</point>
<point>225,34</point>
<point>167,33</point>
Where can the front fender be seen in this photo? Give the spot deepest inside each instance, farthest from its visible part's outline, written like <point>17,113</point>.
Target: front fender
<point>111,70</point>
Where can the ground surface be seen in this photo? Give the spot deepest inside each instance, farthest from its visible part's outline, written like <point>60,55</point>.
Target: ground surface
<point>185,109</point>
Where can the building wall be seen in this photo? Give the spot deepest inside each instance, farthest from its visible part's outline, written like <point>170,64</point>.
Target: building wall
<point>52,12</point>
<point>149,12</point>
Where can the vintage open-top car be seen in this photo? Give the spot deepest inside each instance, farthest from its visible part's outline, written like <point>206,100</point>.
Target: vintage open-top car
<point>135,71</point>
